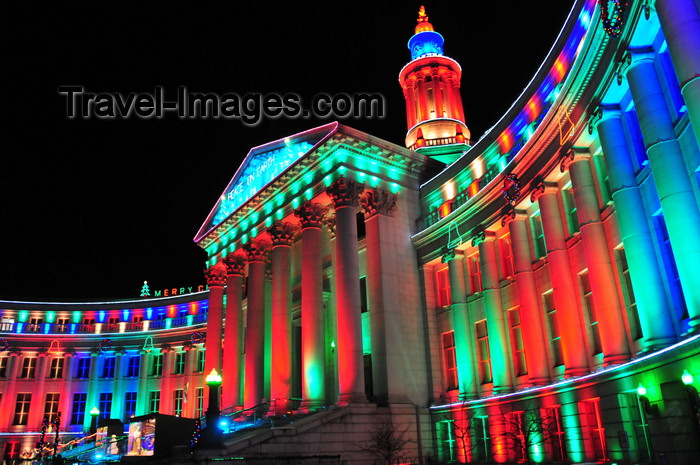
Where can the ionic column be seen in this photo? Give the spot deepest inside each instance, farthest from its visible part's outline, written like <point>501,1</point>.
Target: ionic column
<point>423,105</point>
<point>144,370</point>
<point>645,274</point>
<point>313,353</point>
<point>9,395</point>
<point>343,193</point>
<point>36,409</point>
<point>495,320</point>
<point>189,387</point>
<point>528,300</point>
<point>387,340</point>
<point>680,21</point>
<point>565,291</point>
<point>600,270</point>
<point>92,391</point>
<point>282,235</point>
<point>166,389</point>
<point>233,332</point>
<point>216,279</point>
<point>117,393</point>
<point>461,325</point>
<point>66,398</point>
<point>437,95</point>
<point>255,330</point>
<point>673,185</point>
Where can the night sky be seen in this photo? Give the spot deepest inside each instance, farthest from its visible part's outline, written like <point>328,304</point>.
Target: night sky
<point>90,208</point>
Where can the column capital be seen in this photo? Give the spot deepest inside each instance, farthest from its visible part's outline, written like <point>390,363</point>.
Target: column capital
<point>573,156</point>
<point>513,215</point>
<point>235,264</point>
<point>378,201</point>
<point>257,250</point>
<point>344,192</point>
<point>478,237</point>
<point>41,353</point>
<point>166,349</point>
<point>311,214</point>
<point>119,351</point>
<point>216,275</point>
<point>329,221</point>
<point>542,188</point>
<point>282,233</point>
<point>449,254</point>
<point>68,353</point>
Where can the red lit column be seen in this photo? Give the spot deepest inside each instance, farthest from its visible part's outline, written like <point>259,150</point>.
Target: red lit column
<point>344,193</point>
<point>461,325</point>
<point>10,391</point>
<point>495,318</point>
<point>437,94</point>
<point>313,360</point>
<point>565,291</point>
<point>600,270</point>
<point>233,332</point>
<point>166,389</point>
<point>423,106</point>
<point>528,300</point>
<point>409,96</point>
<point>255,330</point>
<point>144,370</point>
<point>66,397</point>
<point>282,235</point>
<point>216,279</point>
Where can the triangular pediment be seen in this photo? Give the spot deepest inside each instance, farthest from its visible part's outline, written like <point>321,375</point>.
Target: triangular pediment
<point>260,167</point>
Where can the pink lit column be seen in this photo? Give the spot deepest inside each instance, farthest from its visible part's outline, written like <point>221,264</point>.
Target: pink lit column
<point>600,271</point>
<point>9,395</point>
<point>282,235</point>
<point>188,389</point>
<point>66,398</point>
<point>565,291</point>
<point>36,411</point>
<point>216,279</point>
<point>255,330</point>
<point>166,388</point>
<point>495,316</point>
<point>233,332</point>
<point>528,299</point>
<point>313,363</point>
<point>344,194</point>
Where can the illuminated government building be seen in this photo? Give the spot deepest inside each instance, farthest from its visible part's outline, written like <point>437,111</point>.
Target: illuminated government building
<point>530,295</point>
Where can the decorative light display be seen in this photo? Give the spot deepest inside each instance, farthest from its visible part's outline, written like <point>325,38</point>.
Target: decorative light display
<point>55,347</point>
<point>198,337</point>
<point>4,344</point>
<point>566,126</point>
<point>687,378</point>
<point>148,345</point>
<point>196,435</point>
<point>145,291</point>
<point>511,188</point>
<point>613,25</point>
<point>105,344</point>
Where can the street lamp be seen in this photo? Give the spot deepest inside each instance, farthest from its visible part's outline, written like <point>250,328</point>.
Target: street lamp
<point>94,413</point>
<point>211,435</point>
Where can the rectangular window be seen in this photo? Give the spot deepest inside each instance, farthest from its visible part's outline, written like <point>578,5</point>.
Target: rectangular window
<point>555,339</point>
<point>506,256</point>
<point>482,345</point>
<point>35,323</point>
<point>628,293</point>
<point>11,451</point>
<point>154,402</point>
<point>113,324</point>
<point>567,196</point>
<point>449,360</point>
<point>157,367</point>
<point>28,367</point>
<point>179,363</point>
<point>3,366</point>
<point>553,433</point>
<point>364,304</point>
<point>105,405</point>
<point>24,400</point>
<point>89,321</point>
<point>199,401</point>
<point>83,368</point>
<point>593,431</point>
<point>474,273</point>
<point>7,324</point>
<point>79,402</point>
<point>56,370</point>
<point>133,367</point>
<point>517,442</point>
<point>129,405</point>
<point>177,402</point>
<point>538,235</point>
<point>62,324</point>
<point>516,341</point>
<point>442,280</point>
<point>603,178</point>
<point>51,405</point>
<point>109,367</point>
<point>590,312</point>
<point>201,354</point>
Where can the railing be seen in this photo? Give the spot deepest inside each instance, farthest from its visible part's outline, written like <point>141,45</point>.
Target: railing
<point>101,328</point>
<point>440,141</point>
<point>274,412</point>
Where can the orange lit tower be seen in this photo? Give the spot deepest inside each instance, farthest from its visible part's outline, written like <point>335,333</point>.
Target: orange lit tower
<point>430,83</point>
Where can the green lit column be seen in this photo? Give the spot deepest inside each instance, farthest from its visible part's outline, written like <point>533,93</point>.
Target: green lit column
<point>528,299</point>
<point>565,291</point>
<point>144,370</point>
<point>313,362</point>
<point>495,317</point>
<point>671,177</point>
<point>253,386</point>
<point>680,21</point>
<point>117,393</point>
<point>596,252</point>
<point>233,331</point>
<point>344,193</point>
<point>647,282</point>
<point>461,324</point>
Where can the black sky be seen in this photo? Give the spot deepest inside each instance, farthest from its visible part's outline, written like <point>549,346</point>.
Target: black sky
<point>91,208</point>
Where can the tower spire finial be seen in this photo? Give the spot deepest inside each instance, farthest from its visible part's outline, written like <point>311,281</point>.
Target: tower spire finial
<point>423,23</point>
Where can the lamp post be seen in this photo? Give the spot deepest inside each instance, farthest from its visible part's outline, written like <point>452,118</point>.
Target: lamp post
<point>211,435</point>
<point>94,413</point>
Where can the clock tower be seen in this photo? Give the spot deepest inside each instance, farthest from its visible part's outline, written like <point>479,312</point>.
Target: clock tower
<point>430,83</point>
